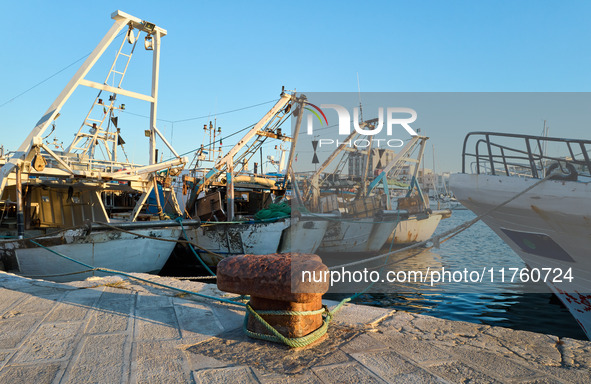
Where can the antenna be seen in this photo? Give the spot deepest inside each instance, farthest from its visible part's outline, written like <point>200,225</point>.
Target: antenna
<point>359,92</point>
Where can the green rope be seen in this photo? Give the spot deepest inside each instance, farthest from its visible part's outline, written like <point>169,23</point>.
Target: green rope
<point>113,271</point>
<point>297,342</point>
<point>291,313</point>
<point>294,342</point>
<point>180,221</point>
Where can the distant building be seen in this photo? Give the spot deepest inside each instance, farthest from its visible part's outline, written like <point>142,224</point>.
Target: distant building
<point>378,160</point>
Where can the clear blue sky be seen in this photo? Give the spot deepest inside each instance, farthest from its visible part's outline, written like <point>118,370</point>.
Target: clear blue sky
<point>219,56</point>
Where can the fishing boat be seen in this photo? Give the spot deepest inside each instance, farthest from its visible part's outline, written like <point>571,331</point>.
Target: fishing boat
<point>372,217</point>
<point>417,227</point>
<point>246,211</point>
<point>420,221</point>
<point>85,202</point>
<point>549,225</point>
<point>359,223</point>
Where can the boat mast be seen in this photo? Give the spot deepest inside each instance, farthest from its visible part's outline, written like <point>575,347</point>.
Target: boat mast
<point>400,158</point>
<point>227,161</point>
<point>364,174</point>
<point>25,152</point>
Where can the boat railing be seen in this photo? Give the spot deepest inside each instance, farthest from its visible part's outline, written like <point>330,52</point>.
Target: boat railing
<point>525,155</point>
<point>91,164</point>
<point>82,163</point>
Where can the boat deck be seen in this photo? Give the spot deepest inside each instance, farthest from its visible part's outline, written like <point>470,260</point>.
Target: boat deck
<point>113,329</point>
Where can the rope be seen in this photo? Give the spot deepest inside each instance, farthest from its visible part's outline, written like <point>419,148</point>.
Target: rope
<point>191,277</point>
<point>294,342</point>
<point>159,238</point>
<point>303,209</point>
<point>58,274</point>
<point>180,221</point>
<point>113,271</point>
<point>291,313</point>
<point>276,337</point>
<point>273,219</point>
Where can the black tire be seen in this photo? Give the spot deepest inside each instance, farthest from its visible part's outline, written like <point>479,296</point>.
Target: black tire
<point>572,174</point>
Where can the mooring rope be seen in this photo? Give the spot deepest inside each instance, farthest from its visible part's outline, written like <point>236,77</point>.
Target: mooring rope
<point>160,238</point>
<point>180,221</point>
<point>294,342</point>
<point>192,277</point>
<point>116,272</point>
<point>13,238</point>
<point>277,337</point>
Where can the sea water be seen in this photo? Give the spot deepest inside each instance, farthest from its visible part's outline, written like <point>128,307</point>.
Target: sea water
<point>494,303</point>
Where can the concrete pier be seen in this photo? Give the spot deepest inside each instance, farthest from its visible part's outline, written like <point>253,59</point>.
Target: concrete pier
<point>116,330</point>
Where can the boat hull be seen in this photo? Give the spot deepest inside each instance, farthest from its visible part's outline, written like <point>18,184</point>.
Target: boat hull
<point>556,214</point>
<point>109,248</point>
<point>416,228</point>
<point>231,239</point>
<point>357,235</point>
<point>304,235</point>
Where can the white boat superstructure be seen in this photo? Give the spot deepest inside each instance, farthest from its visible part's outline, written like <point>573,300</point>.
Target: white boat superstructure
<point>549,227</point>
<point>62,197</point>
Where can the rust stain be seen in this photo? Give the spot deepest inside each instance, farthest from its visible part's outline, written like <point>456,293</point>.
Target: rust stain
<point>540,213</point>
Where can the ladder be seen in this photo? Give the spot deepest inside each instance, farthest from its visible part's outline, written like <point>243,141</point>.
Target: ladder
<point>100,117</point>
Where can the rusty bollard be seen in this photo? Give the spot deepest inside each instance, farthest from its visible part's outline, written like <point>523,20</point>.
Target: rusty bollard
<point>268,281</point>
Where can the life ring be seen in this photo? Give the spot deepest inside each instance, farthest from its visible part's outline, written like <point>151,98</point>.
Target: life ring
<point>572,174</point>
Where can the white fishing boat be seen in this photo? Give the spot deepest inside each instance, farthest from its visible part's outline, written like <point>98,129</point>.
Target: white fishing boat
<point>231,239</point>
<point>305,233</point>
<point>140,251</point>
<point>359,234</point>
<point>416,221</point>
<point>417,227</point>
<point>549,226</point>
<point>367,221</point>
<point>362,222</point>
<point>230,199</point>
<point>85,202</point>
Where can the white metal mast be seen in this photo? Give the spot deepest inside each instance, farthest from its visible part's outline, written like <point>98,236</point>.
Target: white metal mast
<point>24,154</point>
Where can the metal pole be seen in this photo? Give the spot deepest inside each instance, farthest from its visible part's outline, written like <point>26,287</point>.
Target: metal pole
<point>230,191</point>
<point>20,217</point>
<point>294,138</point>
<point>154,104</point>
<point>364,175</point>
<point>157,198</point>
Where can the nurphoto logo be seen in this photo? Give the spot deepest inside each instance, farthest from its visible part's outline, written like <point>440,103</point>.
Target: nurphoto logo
<point>370,128</point>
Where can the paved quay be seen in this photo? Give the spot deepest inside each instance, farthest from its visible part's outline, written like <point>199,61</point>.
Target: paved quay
<point>116,330</point>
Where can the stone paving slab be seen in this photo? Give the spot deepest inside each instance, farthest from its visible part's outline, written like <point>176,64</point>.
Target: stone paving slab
<point>117,330</point>
<point>237,375</point>
<point>100,356</point>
